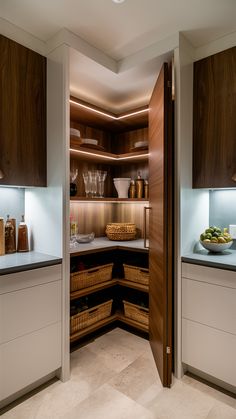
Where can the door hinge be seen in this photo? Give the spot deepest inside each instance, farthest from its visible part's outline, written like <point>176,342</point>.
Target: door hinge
<point>168,350</point>
<point>169,83</point>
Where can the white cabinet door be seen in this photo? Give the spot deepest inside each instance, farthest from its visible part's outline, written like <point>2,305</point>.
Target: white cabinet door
<point>209,304</point>
<point>29,358</point>
<point>209,350</point>
<point>29,309</point>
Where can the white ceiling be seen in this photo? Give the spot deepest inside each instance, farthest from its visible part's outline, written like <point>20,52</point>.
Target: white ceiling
<point>119,31</point>
<point>115,92</point>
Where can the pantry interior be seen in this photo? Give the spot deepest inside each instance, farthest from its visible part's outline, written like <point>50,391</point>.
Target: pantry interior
<point>109,280</point>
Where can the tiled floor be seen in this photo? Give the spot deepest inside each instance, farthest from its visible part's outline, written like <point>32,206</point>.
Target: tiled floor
<point>115,377</point>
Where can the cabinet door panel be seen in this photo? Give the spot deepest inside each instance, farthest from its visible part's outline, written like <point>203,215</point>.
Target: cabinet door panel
<point>29,358</point>
<point>22,115</point>
<point>209,304</point>
<point>214,122</point>
<point>160,226</point>
<point>29,309</point>
<point>209,350</point>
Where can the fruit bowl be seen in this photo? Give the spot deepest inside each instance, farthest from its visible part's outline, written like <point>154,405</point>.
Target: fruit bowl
<point>216,247</point>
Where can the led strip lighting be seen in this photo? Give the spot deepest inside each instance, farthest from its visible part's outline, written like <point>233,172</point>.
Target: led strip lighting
<point>116,118</point>
<point>109,157</point>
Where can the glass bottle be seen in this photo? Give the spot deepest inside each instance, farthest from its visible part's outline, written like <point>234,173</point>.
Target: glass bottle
<point>23,243</point>
<point>10,235</point>
<point>2,237</point>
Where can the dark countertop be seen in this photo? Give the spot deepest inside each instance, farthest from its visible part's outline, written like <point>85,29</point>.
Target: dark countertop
<point>18,262</point>
<point>225,260</point>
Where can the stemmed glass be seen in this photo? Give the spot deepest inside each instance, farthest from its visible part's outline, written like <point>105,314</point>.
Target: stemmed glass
<point>101,176</point>
<point>87,184</point>
<point>93,182</point>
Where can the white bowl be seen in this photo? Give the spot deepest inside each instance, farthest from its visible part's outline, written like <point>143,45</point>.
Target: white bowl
<point>216,247</point>
<point>89,141</point>
<point>75,132</point>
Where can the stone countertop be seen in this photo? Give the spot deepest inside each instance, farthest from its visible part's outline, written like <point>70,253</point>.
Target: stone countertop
<point>225,260</point>
<point>18,262</point>
<point>103,243</point>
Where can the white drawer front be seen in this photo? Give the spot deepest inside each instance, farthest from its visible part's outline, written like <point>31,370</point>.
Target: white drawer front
<point>209,304</point>
<point>29,309</point>
<point>20,280</point>
<point>210,275</point>
<point>209,350</point>
<point>29,358</point>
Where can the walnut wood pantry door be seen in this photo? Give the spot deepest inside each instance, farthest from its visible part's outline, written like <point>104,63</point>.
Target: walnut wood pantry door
<point>160,226</point>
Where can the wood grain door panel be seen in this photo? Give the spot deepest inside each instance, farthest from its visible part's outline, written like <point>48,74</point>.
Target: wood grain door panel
<point>214,121</point>
<point>160,225</point>
<point>22,115</point>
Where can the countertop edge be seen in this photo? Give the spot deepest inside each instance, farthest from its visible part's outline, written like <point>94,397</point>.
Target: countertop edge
<point>193,261</point>
<point>30,266</point>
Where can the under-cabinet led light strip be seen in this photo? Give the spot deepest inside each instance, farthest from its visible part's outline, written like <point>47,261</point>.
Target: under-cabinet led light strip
<point>109,157</point>
<point>116,118</point>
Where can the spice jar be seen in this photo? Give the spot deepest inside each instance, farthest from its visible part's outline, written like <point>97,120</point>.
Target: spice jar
<point>139,184</point>
<point>10,235</point>
<point>23,244</point>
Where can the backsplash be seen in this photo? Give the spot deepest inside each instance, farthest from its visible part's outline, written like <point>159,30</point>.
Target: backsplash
<point>222,208</point>
<point>12,202</point>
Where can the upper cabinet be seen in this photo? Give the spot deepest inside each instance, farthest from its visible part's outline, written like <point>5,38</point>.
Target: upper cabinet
<point>22,115</point>
<point>214,121</point>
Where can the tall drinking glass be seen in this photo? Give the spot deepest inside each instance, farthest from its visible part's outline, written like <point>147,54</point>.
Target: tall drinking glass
<point>101,179</point>
<point>93,183</point>
<point>87,185</point>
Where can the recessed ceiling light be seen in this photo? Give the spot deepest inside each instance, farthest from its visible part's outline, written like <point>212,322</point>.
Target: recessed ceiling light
<point>118,1</point>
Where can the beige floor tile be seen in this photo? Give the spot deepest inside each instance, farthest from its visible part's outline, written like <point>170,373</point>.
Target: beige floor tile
<point>181,402</point>
<point>108,403</point>
<point>222,411</point>
<point>204,388</point>
<point>137,378</point>
<point>112,354</point>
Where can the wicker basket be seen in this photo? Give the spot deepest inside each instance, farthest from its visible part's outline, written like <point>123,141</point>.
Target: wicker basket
<point>135,312</point>
<point>121,231</point>
<point>136,274</point>
<point>90,277</point>
<point>90,316</point>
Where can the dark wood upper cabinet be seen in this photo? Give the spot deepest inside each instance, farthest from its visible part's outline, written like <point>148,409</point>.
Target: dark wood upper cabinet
<point>214,121</point>
<point>22,115</point>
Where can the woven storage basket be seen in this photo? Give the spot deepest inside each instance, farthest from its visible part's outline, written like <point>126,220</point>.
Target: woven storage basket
<point>121,231</point>
<point>90,277</point>
<point>136,274</point>
<point>90,316</point>
<point>135,312</point>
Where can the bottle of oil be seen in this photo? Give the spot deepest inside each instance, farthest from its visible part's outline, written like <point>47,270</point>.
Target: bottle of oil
<point>2,237</point>
<point>10,235</point>
<point>23,243</point>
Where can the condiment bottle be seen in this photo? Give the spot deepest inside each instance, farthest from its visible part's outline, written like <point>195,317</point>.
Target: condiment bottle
<point>139,184</point>
<point>10,235</point>
<point>132,189</point>
<point>2,237</point>
<point>146,189</point>
<point>23,243</point>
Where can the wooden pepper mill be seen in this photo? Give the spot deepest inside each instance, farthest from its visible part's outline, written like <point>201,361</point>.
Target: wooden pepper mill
<point>23,243</point>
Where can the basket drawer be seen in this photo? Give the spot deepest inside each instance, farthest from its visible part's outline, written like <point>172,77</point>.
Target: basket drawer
<point>90,316</point>
<point>90,277</point>
<point>136,274</point>
<point>135,312</point>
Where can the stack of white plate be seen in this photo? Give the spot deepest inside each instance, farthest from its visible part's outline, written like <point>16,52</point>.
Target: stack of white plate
<point>75,132</point>
<point>143,143</point>
<point>89,141</point>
